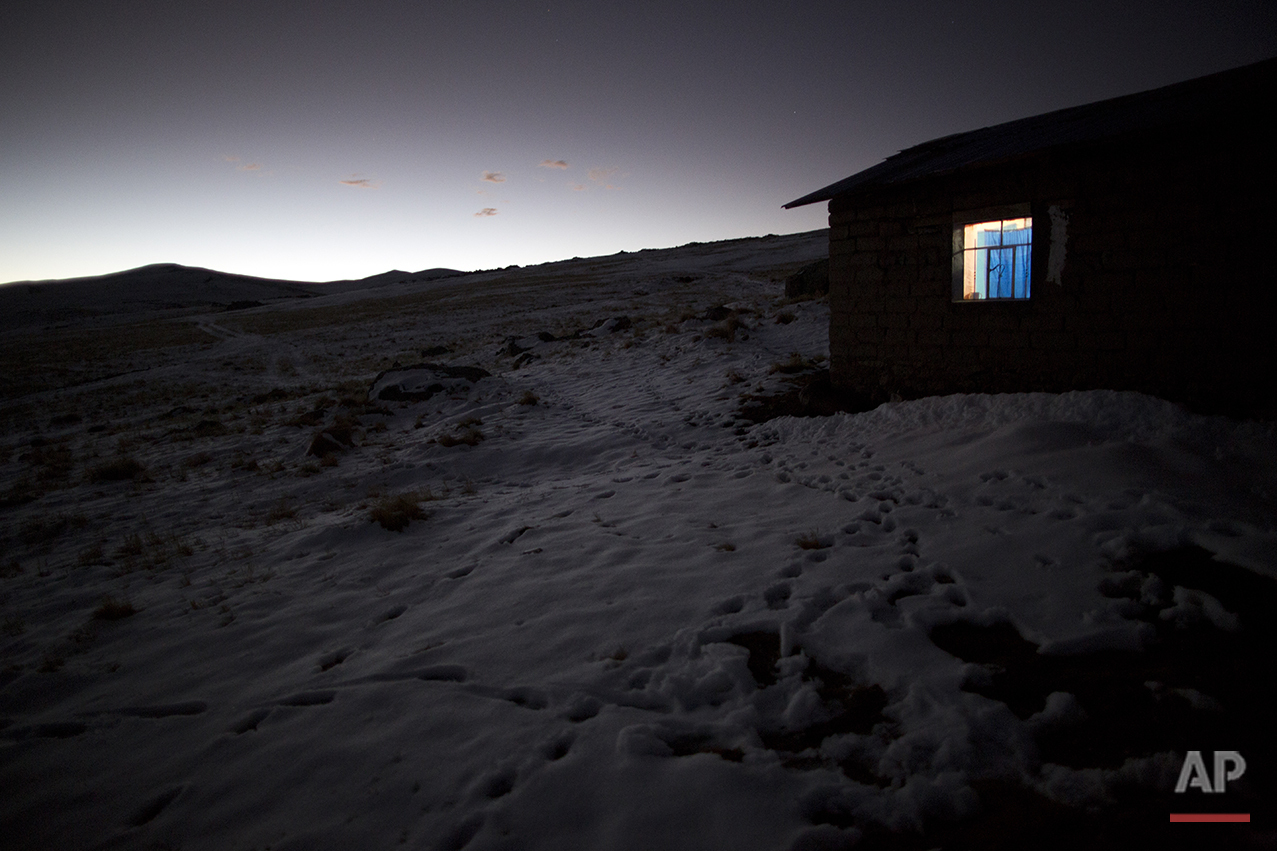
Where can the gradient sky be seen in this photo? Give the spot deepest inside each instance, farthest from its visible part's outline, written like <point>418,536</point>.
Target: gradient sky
<point>325,140</point>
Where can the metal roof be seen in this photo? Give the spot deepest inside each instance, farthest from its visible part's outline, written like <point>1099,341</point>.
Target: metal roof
<point>1249,91</point>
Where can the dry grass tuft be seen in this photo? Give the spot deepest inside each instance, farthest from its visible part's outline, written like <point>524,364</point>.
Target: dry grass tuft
<point>466,433</point>
<point>395,512</point>
<point>20,493</point>
<point>123,469</point>
<point>528,398</point>
<point>790,366</point>
<point>90,555</point>
<point>199,459</point>
<point>812,541</point>
<point>113,609</point>
<point>44,530</point>
<point>726,329</point>
<point>282,510</point>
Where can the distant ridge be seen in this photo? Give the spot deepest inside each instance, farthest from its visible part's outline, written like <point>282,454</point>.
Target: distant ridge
<point>164,272</point>
<point>168,286</point>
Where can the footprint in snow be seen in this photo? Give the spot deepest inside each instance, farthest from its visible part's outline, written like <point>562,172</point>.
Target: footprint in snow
<point>51,730</point>
<point>392,613</point>
<point>498,784</point>
<point>309,698</point>
<point>152,808</point>
<point>730,606</point>
<point>192,707</point>
<point>558,747</point>
<point>443,674</point>
<point>249,722</point>
<point>777,596</point>
<point>332,660</point>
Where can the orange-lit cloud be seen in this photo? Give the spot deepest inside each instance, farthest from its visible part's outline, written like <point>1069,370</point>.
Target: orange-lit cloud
<point>578,187</point>
<point>493,177</point>
<point>487,211</point>
<point>601,174</point>
<point>553,164</point>
<point>243,166</point>
<point>359,182</point>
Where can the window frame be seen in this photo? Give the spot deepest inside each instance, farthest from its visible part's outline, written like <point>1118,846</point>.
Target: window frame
<point>964,218</point>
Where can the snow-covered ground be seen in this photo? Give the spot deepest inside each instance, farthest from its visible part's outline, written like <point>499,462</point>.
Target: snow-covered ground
<point>616,614</point>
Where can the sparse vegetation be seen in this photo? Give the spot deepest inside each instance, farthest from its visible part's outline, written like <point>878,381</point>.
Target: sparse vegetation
<point>395,512</point>
<point>466,432</point>
<point>812,541</point>
<point>112,609</point>
<point>122,469</point>
<point>130,547</point>
<point>199,459</point>
<point>793,364</point>
<point>150,551</point>
<point>44,530</point>
<point>51,663</point>
<point>90,555</point>
<point>20,493</point>
<point>725,329</point>
<point>282,510</point>
<point>529,398</point>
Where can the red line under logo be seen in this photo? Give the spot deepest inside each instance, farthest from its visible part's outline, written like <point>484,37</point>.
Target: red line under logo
<point>1235,817</point>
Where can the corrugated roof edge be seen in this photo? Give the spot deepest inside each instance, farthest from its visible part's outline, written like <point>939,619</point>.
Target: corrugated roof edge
<point>1179,102</point>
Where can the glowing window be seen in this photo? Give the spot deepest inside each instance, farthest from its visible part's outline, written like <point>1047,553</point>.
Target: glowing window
<point>996,258</point>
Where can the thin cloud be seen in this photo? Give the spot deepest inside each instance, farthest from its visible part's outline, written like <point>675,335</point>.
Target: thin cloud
<point>493,177</point>
<point>487,211</point>
<point>359,182</point>
<point>561,164</point>
<point>578,187</point>
<point>243,166</point>
<point>600,174</point>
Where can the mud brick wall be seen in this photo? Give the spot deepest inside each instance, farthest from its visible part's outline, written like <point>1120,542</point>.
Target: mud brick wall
<point>1168,283</point>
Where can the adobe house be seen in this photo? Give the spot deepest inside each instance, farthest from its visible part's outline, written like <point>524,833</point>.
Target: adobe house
<point>1124,244</point>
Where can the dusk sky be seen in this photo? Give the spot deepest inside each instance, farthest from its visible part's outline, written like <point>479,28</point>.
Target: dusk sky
<point>328,140</point>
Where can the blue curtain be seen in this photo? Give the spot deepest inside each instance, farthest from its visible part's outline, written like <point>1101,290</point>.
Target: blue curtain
<point>1005,258</point>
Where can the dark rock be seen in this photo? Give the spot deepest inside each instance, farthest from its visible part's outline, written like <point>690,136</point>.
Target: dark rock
<point>421,381</point>
<point>275,394</point>
<point>611,326</point>
<point>810,280</point>
<point>322,444</point>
